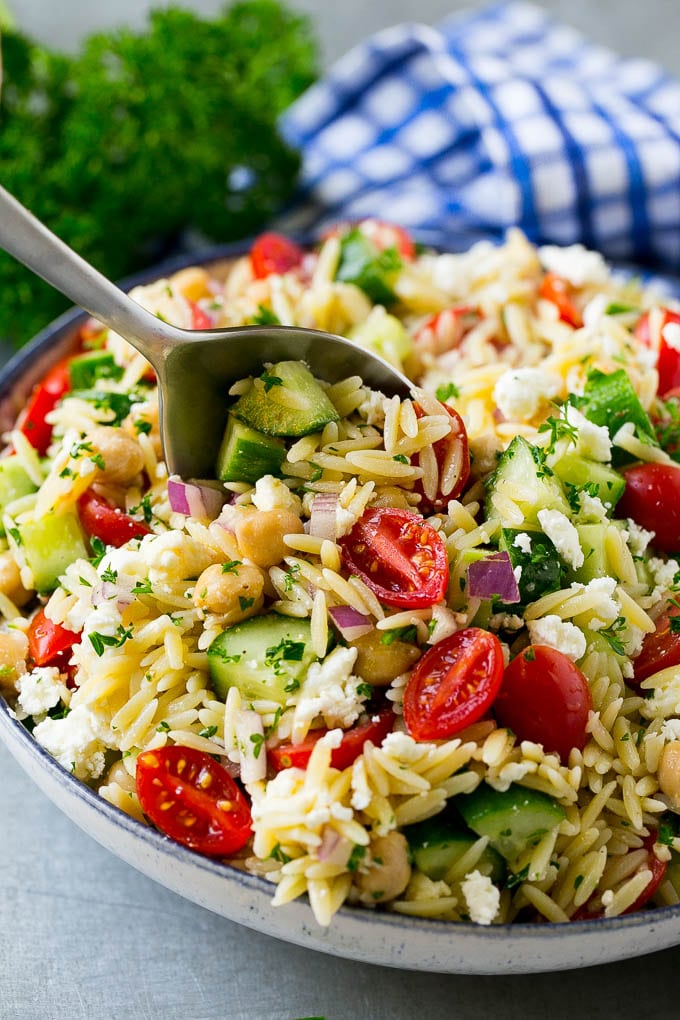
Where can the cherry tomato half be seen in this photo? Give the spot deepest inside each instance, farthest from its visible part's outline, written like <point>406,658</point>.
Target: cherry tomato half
<point>106,522</point>
<point>668,363</point>
<point>453,456</point>
<point>199,318</point>
<point>193,800</point>
<point>559,291</point>
<point>389,235</point>
<point>593,907</point>
<point>49,644</point>
<point>375,729</point>
<point>400,557</point>
<point>453,685</point>
<point>659,649</point>
<point>652,499</point>
<point>44,398</point>
<point>545,698</point>
<point>274,253</point>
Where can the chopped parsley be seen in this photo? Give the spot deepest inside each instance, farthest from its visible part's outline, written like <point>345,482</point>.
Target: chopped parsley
<point>611,635</point>
<point>265,317</point>
<point>207,732</point>
<point>356,857</point>
<point>270,381</point>
<point>446,391</point>
<point>408,633</point>
<point>231,567</point>
<point>163,727</point>
<point>257,740</point>
<point>99,549</point>
<point>245,603</point>
<point>101,641</point>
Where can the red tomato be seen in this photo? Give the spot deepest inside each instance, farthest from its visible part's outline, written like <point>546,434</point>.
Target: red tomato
<point>44,398</point>
<point>193,800</point>
<point>453,685</point>
<point>452,451</point>
<point>274,253</point>
<point>659,649</point>
<point>445,330</point>
<point>559,291</point>
<point>389,235</point>
<point>199,318</point>
<point>106,522</point>
<point>593,908</point>
<point>652,499</point>
<point>668,364</point>
<point>545,698</point>
<point>400,557</point>
<point>49,644</point>
<point>287,756</point>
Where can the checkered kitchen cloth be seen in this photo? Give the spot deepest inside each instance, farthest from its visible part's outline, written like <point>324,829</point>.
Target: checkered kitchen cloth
<point>499,116</point>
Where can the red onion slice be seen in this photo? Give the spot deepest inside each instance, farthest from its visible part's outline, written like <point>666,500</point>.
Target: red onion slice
<point>195,499</point>
<point>493,576</point>
<point>350,622</point>
<point>323,518</point>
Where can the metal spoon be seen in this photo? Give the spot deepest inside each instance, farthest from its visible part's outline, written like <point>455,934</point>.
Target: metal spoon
<point>195,368</point>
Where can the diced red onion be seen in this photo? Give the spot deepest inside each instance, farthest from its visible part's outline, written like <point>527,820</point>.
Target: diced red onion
<point>351,623</point>
<point>118,592</point>
<point>491,576</point>
<point>323,518</point>
<point>195,499</point>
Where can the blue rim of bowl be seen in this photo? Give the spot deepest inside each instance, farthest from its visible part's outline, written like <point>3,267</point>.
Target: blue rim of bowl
<point>10,374</point>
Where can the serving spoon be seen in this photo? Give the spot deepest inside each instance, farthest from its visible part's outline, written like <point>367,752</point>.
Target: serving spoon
<point>194,368</point>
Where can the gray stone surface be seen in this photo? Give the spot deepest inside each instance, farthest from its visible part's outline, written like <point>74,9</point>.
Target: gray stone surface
<point>85,937</point>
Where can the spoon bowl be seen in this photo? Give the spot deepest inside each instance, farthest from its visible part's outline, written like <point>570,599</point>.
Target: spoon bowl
<point>194,368</point>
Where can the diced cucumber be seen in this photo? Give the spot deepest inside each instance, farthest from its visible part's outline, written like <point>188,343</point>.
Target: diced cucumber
<point>85,369</point>
<point>579,471</point>
<point>609,399</point>
<point>50,544</point>
<point>440,842</point>
<point>364,265</point>
<point>458,597</point>
<point>542,569</point>
<point>265,657</point>
<point>385,335</point>
<point>595,559</point>
<point>14,483</point>
<point>246,455</point>
<point>285,401</point>
<point>523,477</point>
<point>514,820</point>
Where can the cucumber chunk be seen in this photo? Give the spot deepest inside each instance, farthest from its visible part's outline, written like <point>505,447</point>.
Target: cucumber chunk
<point>50,544</point>
<point>265,657</point>
<point>14,483</point>
<point>609,399</point>
<point>542,570</point>
<point>364,265</point>
<point>514,820</point>
<point>385,335</point>
<point>575,470</point>
<point>246,455</point>
<point>522,477</point>
<point>440,842</point>
<point>285,401</point>
<point>85,369</point>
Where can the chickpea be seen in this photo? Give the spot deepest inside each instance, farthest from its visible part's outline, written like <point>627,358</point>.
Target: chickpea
<point>378,663</point>
<point>13,652</point>
<point>260,535</point>
<point>669,772</point>
<point>10,580</point>
<point>232,590</point>
<point>193,283</point>
<point>390,871</point>
<point>122,456</point>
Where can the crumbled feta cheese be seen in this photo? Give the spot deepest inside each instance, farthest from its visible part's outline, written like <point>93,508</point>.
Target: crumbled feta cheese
<point>591,507</point>
<point>445,623</point>
<point>592,440</point>
<point>172,556</point>
<point>482,897</point>
<point>665,699</point>
<point>671,729</point>
<point>512,772</point>
<point>671,334</point>
<point>41,689</point>
<point>575,263</point>
<point>402,746</point>
<point>273,494</point>
<point>556,633</point>
<point>638,538</point>
<point>517,571</point>
<point>563,535</point>
<point>506,621</point>
<point>329,690</point>
<point>523,542</point>
<point>521,393</point>
<point>74,741</point>
<point>663,572</point>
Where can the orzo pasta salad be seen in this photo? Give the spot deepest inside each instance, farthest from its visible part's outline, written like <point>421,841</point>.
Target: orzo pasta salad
<point>420,655</point>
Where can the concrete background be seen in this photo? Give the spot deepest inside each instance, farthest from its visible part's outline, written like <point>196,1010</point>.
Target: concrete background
<point>83,935</point>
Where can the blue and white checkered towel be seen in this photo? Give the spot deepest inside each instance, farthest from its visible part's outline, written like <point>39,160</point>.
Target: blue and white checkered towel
<point>497,117</point>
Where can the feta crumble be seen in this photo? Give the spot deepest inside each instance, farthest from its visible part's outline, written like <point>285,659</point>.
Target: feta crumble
<point>273,494</point>
<point>577,264</point>
<point>41,689</point>
<point>559,634</point>
<point>329,690</point>
<point>75,742</point>
<point>481,896</point>
<point>592,440</point>
<point>523,542</point>
<point>563,535</point>
<point>521,393</point>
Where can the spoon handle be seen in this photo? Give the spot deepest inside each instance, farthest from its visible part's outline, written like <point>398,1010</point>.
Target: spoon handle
<point>29,241</point>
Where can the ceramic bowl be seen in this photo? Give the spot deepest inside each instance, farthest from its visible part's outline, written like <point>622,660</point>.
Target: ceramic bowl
<point>355,933</point>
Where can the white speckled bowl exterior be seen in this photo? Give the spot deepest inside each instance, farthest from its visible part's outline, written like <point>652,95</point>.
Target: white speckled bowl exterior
<point>370,936</point>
